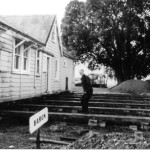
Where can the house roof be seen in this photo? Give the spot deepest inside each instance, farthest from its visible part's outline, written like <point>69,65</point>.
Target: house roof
<point>37,26</point>
<point>68,54</point>
<point>6,24</point>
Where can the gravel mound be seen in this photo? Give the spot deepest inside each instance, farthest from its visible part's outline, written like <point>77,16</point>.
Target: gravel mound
<point>132,86</point>
<point>95,140</point>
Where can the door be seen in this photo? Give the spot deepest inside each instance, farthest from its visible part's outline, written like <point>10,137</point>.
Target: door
<point>66,83</point>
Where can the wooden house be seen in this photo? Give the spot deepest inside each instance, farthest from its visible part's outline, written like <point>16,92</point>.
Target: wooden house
<point>32,58</point>
<point>67,71</point>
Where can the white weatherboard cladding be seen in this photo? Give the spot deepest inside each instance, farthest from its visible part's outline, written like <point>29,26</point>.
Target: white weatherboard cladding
<point>20,85</point>
<point>44,63</point>
<point>54,48</point>
<point>67,71</point>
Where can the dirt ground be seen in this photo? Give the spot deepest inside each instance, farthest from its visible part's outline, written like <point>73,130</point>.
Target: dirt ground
<point>132,86</point>
<point>14,134</point>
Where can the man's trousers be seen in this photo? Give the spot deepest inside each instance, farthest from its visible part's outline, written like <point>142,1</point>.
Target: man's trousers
<point>85,100</point>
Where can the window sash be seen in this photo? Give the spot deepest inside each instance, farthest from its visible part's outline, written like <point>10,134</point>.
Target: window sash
<point>25,54</point>
<point>17,51</point>
<point>17,58</point>
<point>21,59</point>
<point>17,62</point>
<point>38,54</point>
<point>38,61</point>
<point>38,66</point>
<point>25,64</point>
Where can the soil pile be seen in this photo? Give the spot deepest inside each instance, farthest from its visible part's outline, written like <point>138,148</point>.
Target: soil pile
<point>95,140</point>
<point>132,86</point>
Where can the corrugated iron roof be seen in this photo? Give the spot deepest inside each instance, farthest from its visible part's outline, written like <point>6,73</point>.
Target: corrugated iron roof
<point>37,26</point>
<point>6,24</point>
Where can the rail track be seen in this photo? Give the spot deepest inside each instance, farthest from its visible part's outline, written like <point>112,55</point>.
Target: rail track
<point>103,107</point>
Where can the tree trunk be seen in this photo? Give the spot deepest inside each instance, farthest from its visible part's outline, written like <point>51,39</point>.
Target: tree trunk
<point>123,76</point>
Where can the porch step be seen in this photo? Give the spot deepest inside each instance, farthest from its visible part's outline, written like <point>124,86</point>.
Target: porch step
<point>97,104</point>
<point>108,96</point>
<point>66,108</point>
<point>92,110</point>
<point>103,100</point>
<point>101,106</point>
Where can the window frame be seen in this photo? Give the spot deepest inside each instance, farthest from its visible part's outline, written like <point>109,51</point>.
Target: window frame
<point>14,60</point>
<point>27,71</point>
<point>38,59</point>
<point>21,70</point>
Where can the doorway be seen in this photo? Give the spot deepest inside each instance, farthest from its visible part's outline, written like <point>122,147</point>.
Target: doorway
<point>66,84</point>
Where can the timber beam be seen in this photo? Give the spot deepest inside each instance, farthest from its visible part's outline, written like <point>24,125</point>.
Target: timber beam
<point>20,43</point>
<point>135,119</point>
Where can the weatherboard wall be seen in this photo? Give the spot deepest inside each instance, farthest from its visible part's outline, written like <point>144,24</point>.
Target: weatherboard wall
<point>67,71</point>
<point>53,47</point>
<point>18,86</point>
<point>14,85</point>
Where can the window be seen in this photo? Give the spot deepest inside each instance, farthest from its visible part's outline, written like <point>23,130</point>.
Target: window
<point>21,57</point>
<point>17,56</point>
<point>38,62</point>
<point>56,69</point>
<point>65,63</point>
<point>25,58</point>
<point>54,33</point>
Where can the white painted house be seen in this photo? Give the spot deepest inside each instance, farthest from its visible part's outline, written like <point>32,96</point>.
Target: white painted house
<point>31,57</point>
<point>67,71</point>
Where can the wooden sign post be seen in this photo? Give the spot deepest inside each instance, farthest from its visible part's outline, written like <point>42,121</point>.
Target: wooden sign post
<point>38,139</point>
<point>36,121</point>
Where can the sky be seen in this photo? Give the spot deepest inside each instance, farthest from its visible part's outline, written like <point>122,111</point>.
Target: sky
<point>28,7</point>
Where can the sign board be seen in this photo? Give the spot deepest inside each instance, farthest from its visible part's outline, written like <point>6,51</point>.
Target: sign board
<point>37,120</point>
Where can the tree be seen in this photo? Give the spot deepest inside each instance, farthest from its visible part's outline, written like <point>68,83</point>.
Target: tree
<point>113,33</point>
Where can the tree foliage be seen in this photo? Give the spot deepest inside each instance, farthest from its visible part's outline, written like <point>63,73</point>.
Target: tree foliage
<point>113,33</point>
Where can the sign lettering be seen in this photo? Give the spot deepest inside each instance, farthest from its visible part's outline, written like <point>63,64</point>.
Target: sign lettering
<point>37,120</point>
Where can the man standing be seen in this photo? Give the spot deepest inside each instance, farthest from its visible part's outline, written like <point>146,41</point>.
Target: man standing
<point>88,91</point>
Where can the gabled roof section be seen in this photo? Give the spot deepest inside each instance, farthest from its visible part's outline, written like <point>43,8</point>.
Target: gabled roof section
<point>37,26</point>
<point>7,25</point>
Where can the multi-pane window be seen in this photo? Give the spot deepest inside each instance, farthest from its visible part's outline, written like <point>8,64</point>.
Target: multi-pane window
<point>25,58</point>
<point>17,55</point>
<point>17,58</point>
<point>38,62</point>
<point>21,57</point>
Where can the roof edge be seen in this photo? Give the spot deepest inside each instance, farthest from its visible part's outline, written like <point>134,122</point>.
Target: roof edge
<point>50,29</point>
<point>17,30</point>
<point>68,56</point>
